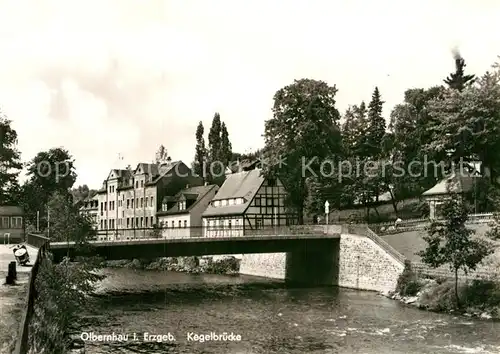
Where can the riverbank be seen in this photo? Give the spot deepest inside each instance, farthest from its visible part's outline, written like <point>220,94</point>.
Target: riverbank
<point>477,298</point>
<point>225,265</point>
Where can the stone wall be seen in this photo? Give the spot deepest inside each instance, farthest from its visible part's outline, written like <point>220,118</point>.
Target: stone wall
<point>365,265</point>
<point>269,265</point>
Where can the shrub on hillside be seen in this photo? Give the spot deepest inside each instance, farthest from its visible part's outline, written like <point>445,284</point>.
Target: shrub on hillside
<point>408,282</point>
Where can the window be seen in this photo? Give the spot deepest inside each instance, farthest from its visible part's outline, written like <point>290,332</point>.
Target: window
<point>257,201</point>
<point>237,223</point>
<point>179,223</point>
<point>105,224</point>
<point>142,183</point>
<point>137,222</point>
<point>123,213</point>
<point>142,221</point>
<point>102,224</point>
<point>142,203</point>
<point>136,184</point>
<point>110,190</point>
<point>185,223</point>
<point>146,220</point>
<point>128,223</point>
<point>173,224</point>
<point>164,207</point>
<point>152,202</point>
<point>136,202</point>
<point>105,206</point>
<point>229,224</point>
<point>123,196</point>
<point>132,203</point>
<point>152,220</point>
<point>128,203</point>
<point>4,222</point>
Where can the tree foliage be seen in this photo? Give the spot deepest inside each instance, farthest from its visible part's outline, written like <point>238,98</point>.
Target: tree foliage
<point>458,80</point>
<point>305,126</point>
<point>200,157</point>
<point>161,156</point>
<point>10,162</point>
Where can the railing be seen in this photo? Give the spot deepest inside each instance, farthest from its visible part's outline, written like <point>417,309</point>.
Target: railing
<point>36,240</point>
<point>212,232</point>
<point>388,228</point>
<point>22,346</point>
<point>364,230</point>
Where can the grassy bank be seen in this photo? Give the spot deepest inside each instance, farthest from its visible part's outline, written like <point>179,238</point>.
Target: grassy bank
<point>221,265</point>
<point>477,298</point>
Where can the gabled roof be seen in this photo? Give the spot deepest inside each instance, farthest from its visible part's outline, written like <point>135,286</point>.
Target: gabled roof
<point>11,210</point>
<point>238,185</point>
<point>191,193</point>
<point>458,182</point>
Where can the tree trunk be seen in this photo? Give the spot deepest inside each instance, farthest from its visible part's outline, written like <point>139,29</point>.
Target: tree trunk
<point>456,289</point>
<point>394,203</point>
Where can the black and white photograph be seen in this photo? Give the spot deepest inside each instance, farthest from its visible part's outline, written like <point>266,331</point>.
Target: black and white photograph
<point>249,177</point>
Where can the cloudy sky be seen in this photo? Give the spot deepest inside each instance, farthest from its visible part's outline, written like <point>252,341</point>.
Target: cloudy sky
<point>107,77</point>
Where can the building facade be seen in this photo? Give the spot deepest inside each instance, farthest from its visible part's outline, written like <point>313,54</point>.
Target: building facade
<point>90,206</point>
<point>181,215</point>
<point>11,224</point>
<point>129,199</point>
<point>247,203</point>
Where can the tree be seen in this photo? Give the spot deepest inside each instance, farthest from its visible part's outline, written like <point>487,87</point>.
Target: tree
<point>81,192</point>
<point>66,223</point>
<point>214,149</point>
<point>48,172</point>
<point>376,124</point>
<point>469,124</point>
<point>451,242</point>
<point>200,156</point>
<point>214,139</point>
<point>226,152</point>
<point>161,156</point>
<point>458,80</point>
<point>10,162</point>
<point>303,131</point>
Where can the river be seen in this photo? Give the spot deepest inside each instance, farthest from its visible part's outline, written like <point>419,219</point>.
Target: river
<point>270,318</point>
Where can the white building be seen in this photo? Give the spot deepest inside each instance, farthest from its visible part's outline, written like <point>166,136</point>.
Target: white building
<point>180,215</point>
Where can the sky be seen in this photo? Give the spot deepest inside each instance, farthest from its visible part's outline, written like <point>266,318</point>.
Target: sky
<point>103,78</point>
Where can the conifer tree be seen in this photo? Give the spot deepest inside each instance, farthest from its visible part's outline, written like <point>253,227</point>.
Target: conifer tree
<point>376,124</point>
<point>458,80</point>
<point>200,156</point>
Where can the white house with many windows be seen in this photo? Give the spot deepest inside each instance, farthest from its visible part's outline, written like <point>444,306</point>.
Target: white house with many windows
<point>245,203</point>
<point>180,215</point>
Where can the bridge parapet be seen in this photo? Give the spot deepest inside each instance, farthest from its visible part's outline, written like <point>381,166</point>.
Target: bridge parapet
<point>36,240</point>
<point>214,232</point>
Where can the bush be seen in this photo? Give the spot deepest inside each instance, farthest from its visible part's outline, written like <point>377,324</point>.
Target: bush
<point>61,293</point>
<point>482,294</point>
<point>408,282</point>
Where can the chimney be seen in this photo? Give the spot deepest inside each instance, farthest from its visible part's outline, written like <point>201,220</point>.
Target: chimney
<point>187,186</point>
<point>206,184</point>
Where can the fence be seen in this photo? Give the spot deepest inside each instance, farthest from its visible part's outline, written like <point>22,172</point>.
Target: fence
<point>35,240</point>
<point>364,230</point>
<point>212,232</point>
<point>390,228</point>
<point>22,339</point>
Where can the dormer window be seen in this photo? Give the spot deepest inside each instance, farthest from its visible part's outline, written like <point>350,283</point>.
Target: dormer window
<point>165,207</point>
<point>182,205</point>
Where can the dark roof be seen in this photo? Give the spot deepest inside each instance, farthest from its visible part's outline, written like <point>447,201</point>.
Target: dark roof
<point>459,182</point>
<point>238,185</point>
<point>191,193</point>
<point>243,165</point>
<point>11,210</point>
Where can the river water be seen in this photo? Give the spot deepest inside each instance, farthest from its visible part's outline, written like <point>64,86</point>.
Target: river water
<point>269,317</point>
